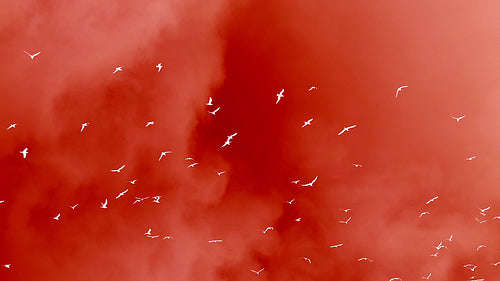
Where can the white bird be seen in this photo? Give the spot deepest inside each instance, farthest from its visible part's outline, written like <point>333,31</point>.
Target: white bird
<point>311,183</point>
<point>470,158</point>
<point>307,260</point>
<point>312,88</point>
<point>346,129</point>
<point>295,181</point>
<point>12,126</point>
<point>32,56</point>
<point>307,123</point>
<point>484,210</point>
<point>336,246</point>
<point>438,247</point>
<point>471,267</point>
<point>164,153</point>
<point>138,200</point>
<point>220,173</point>
<point>451,237</point>
<point>149,123</point>
<point>188,159</point>
<point>209,101</point>
<point>268,228</point>
<point>215,241</point>
<point>280,95</point>
<point>74,206</point>
<point>495,264</point>
<point>7,265</point>
<point>430,201</point>
<point>345,210</point>
<point>159,66</point>
<point>435,254</point>
<point>423,213</point>
<point>458,118</point>
<point>496,218</point>
<point>119,68</point>
<point>428,276</point>
<point>24,152</point>
<point>229,138</point>
<point>83,126</point>
<point>156,199</point>
<point>298,219</point>
<point>479,247</point>
<point>1,201</point>
<point>168,237</point>
<point>104,205</point>
<point>399,90</point>
<point>192,165</point>
<point>357,165</point>
<point>365,259</point>
<point>121,194</point>
<point>57,217</point>
<point>148,232</point>
<point>153,236</point>
<point>132,181</point>
<point>395,278</point>
<point>257,272</point>
<point>346,221</point>
<point>290,202</point>
<point>215,111</point>
<point>480,222</point>
<point>118,170</point>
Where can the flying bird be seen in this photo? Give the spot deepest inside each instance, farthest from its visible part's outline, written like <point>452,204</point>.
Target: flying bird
<point>57,217</point>
<point>312,88</point>
<point>470,158</point>
<point>484,210</point>
<point>32,56</point>
<point>7,265</point>
<point>307,260</point>
<point>149,123</point>
<point>472,267</point>
<point>257,272</point>
<point>192,165</point>
<point>357,165</point>
<point>307,123</point>
<point>229,138</point>
<point>159,66</point>
<point>1,201</point>
<point>451,237</point>
<point>74,206</point>
<point>215,241</point>
<point>164,153</point>
<point>148,232</point>
<point>345,210</point>
<point>24,152</point>
<point>395,278</point>
<point>168,237</point>
<point>399,90</point>
<point>336,246</point>
<point>346,129</point>
<point>268,228</point>
<point>132,181</point>
<point>435,254</point>
<point>209,101</point>
<point>479,247</point>
<point>280,95</point>
<point>495,264</point>
<point>295,181</point>
<point>156,199</point>
<point>118,170</point>
<point>118,68</point>
<point>221,173</point>
<point>83,126</point>
<point>290,202</point>
<point>121,194</point>
<point>458,118</point>
<point>104,205</point>
<point>12,126</point>
<point>215,111</point>
<point>311,183</point>
<point>438,247</point>
<point>428,277</point>
<point>298,219</point>
<point>430,201</point>
<point>480,222</point>
<point>365,259</point>
<point>138,200</point>
<point>346,221</point>
<point>423,213</point>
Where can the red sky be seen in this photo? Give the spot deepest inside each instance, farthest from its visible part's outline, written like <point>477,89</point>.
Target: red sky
<point>242,54</point>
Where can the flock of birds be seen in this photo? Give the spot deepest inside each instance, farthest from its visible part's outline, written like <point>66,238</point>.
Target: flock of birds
<point>156,199</point>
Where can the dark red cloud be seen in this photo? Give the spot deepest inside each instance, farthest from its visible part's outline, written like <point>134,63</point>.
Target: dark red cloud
<point>242,54</point>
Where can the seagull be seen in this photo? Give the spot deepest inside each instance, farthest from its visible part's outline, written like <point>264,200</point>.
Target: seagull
<point>159,66</point>
<point>438,247</point>
<point>290,202</point>
<point>365,259</point>
<point>496,218</point>
<point>257,272</point>
<point>307,260</point>
<point>12,126</point>
<point>118,170</point>
<point>215,111</point>
<point>104,205</point>
<point>480,222</point>
<point>435,254</point>
<point>149,123</point>
<point>346,221</point>
<point>32,56</point>
<point>57,217</point>
<point>118,68</point>
<point>280,95</point>
<point>395,278</point>
<point>484,210</point>
<point>7,265</point>
<point>168,237</point>
<point>479,247</point>
<point>74,206</point>
<point>312,88</point>
<point>298,219</point>
<point>346,129</point>
<point>229,138</point>
<point>399,90</point>
<point>83,126</point>
<point>495,264</point>
<point>192,165</point>
<point>153,237</point>
<point>428,276</point>
<point>163,153</point>
<point>470,266</point>
<point>188,159</point>
<point>345,210</point>
<point>215,241</point>
<point>156,199</point>
<point>268,228</point>
<point>311,183</point>
<point>121,194</point>
<point>148,232</point>
<point>295,181</point>
<point>458,118</point>
<point>132,181</point>
<point>357,165</point>
<point>24,152</point>
<point>209,101</point>
<point>138,200</point>
<point>430,201</point>
<point>1,201</point>
<point>307,123</point>
<point>336,246</point>
<point>470,158</point>
<point>423,213</point>
<point>220,173</point>
<point>451,237</point>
